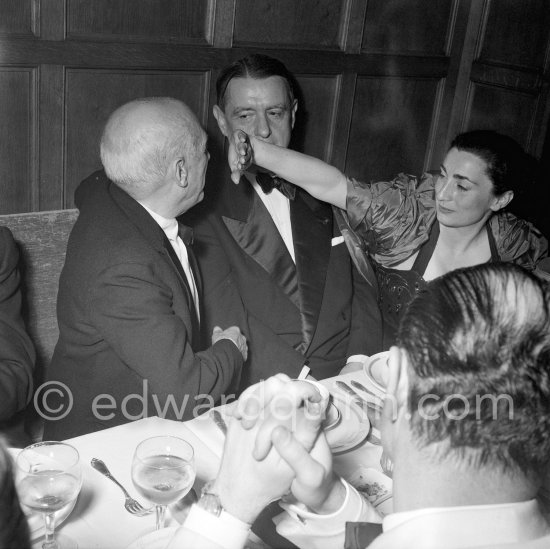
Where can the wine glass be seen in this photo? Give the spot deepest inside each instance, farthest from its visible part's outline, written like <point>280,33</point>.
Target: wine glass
<point>49,477</point>
<point>163,471</point>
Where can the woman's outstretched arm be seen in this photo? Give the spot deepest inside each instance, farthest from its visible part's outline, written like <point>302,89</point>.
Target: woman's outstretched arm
<point>321,180</point>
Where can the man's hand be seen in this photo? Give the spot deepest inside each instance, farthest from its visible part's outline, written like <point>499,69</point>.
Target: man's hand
<point>277,401</point>
<point>246,485</point>
<point>252,472</point>
<point>234,334</point>
<point>240,154</point>
<point>315,484</point>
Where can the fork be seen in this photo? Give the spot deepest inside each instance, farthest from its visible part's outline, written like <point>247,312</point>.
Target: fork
<point>357,399</point>
<point>361,387</point>
<point>131,505</point>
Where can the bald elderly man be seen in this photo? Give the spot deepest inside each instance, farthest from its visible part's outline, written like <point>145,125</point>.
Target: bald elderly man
<point>129,294</point>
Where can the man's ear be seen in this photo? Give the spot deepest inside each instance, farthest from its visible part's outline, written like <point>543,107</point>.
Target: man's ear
<point>181,172</point>
<point>502,201</point>
<point>293,112</point>
<point>398,380</point>
<point>219,115</point>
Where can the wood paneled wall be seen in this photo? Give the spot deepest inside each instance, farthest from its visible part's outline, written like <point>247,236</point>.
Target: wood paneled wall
<point>385,83</point>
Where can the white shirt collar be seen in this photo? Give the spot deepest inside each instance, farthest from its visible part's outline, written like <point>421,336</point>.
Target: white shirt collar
<point>513,519</point>
<point>168,225</point>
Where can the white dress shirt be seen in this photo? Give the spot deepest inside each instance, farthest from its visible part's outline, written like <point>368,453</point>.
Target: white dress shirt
<point>204,530</point>
<point>278,206</point>
<point>170,228</point>
<point>434,528</point>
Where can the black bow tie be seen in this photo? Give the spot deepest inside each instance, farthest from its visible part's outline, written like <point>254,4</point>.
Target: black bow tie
<point>268,183</point>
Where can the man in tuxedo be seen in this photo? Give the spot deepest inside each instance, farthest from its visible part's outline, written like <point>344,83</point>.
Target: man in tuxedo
<point>466,422</point>
<point>129,303</point>
<point>270,251</point>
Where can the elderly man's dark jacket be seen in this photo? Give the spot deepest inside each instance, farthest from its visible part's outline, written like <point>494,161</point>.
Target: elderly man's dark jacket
<point>129,343</point>
<point>317,311</point>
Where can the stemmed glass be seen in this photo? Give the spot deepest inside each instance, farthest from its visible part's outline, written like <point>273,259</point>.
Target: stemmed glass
<point>163,471</point>
<point>49,477</point>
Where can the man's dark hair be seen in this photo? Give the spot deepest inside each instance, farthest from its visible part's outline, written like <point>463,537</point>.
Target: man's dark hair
<point>254,66</point>
<point>478,343</point>
<point>509,167</point>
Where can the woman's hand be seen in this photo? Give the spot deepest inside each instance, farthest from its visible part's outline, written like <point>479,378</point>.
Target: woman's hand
<point>240,155</point>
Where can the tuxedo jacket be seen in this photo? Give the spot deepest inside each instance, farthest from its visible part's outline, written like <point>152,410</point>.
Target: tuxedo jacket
<point>317,311</point>
<point>129,339</point>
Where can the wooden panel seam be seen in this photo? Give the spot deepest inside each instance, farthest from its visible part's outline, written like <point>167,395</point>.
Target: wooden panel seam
<point>223,22</point>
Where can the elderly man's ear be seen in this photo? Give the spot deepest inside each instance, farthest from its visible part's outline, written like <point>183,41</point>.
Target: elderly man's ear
<point>222,121</point>
<point>181,173</point>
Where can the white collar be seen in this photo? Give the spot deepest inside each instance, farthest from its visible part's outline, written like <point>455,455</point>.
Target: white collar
<point>514,521</point>
<point>168,225</point>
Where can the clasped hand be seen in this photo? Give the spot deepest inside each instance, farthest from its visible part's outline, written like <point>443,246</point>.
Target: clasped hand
<point>275,444</point>
<point>234,334</point>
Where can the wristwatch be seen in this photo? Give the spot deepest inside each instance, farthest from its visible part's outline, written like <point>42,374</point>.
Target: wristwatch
<point>209,501</point>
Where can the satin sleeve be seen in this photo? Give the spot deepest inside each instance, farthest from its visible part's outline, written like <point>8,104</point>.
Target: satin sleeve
<point>392,218</point>
<point>518,241</point>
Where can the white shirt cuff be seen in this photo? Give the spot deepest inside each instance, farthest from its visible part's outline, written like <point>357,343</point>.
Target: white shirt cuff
<point>308,530</point>
<point>354,508</point>
<point>357,358</point>
<point>226,530</point>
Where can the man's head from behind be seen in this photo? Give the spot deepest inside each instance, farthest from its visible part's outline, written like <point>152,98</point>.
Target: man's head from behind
<point>155,149</point>
<point>257,95</point>
<point>476,345</point>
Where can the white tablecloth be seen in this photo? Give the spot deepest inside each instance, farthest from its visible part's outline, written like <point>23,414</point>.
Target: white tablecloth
<point>100,521</point>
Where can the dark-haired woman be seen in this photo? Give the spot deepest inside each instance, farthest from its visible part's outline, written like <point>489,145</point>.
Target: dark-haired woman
<point>414,230</point>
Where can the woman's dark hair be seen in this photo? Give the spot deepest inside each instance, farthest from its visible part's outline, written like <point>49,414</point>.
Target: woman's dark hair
<point>478,344</point>
<point>254,66</point>
<point>14,530</point>
<point>509,167</point>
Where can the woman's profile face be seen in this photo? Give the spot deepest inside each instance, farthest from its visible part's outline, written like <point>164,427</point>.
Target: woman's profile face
<point>463,190</point>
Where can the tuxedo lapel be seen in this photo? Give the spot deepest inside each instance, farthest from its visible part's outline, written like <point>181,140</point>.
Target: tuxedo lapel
<point>251,226</point>
<point>312,234</point>
<point>259,238</point>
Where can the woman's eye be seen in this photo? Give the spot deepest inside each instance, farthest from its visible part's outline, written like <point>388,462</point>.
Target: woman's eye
<point>462,188</point>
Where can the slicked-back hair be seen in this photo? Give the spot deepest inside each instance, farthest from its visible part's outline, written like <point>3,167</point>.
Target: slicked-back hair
<point>256,66</point>
<point>509,167</point>
<point>482,333</point>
